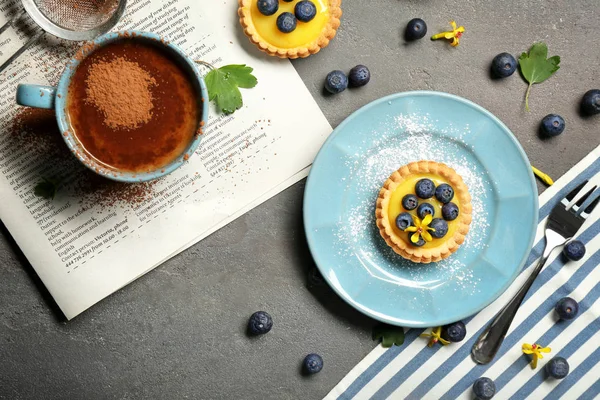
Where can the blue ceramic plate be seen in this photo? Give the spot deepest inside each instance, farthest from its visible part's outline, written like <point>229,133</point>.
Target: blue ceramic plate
<point>339,208</point>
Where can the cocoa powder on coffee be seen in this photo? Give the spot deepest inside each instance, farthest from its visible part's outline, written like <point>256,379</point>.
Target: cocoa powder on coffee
<point>121,90</point>
<point>148,95</point>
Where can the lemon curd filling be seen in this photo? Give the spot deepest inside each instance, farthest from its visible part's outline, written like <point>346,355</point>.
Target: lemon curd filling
<point>408,187</point>
<point>305,32</point>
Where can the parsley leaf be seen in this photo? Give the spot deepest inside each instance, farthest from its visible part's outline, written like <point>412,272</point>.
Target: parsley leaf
<point>47,189</point>
<point>535,68</point>
<point>223,84</point>
<point>388,334</point>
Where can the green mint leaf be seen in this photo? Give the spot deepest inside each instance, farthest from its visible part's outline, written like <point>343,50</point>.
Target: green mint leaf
<point>223,84</point>
<point>241,75</point>
<point>388,334</point>
<point>536,68</point>
<point>47,189</point>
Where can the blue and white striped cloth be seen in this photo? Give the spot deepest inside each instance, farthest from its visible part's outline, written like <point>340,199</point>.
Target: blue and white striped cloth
<point>415,371</point>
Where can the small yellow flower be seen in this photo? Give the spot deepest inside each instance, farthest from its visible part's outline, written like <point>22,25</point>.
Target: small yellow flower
<point>421,228</point>
<point>435,336</point>
<point>536,351</point>
<point>454,34</point>
<point>544,177</point>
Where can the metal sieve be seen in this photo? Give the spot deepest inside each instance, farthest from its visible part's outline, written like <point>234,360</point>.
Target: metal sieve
<point>68,19</point>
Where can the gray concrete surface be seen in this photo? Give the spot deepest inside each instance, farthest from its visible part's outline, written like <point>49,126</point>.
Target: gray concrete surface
<point>179,332</point>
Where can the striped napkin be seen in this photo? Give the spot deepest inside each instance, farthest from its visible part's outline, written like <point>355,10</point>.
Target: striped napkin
<point>415,371</point>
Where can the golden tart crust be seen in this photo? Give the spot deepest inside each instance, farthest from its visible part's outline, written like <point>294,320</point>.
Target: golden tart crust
<point>312,46</point>
<point>443,247</point>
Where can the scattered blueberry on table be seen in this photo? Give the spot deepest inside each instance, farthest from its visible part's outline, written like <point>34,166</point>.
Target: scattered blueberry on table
<point>567,308</point>
<point>404,220</point>
<point>359,76</point>
<point>305,10</point>
<point>444,193</point>
<point>455,332</point>
<point>504,65</point>
<point>268,7</point>
<point>590,104</point>
<point>484,388</point>
<point>312,364</point>
<point>425,188</point>
<point>450,211</point>
<point>410,202</point>
<point>574,250</point>
<point>260,323</point>
<point>415,29</point>
<point>336,82</point>
<point>425,209</point>
<point>286,22</point>
<point>557,368</point>
<point>315,278</point>
<point>553,125</point>
<point>440,226</point>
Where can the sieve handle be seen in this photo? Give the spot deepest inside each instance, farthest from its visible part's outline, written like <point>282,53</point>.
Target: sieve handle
<point>27,45</point>
<point>12,21</point>
<point>37,96</point>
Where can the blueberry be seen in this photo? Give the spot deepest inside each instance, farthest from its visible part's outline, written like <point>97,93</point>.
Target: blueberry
<point>359,76</point>
<point>312,364</point>
<point>315,278</point>
<point>425,209</point>
<point>420,243</point>
<point>557,368</point>
<point>404,220</point>
<point>425,188</point>
<point>567,308</point>
<point>336,82</point>
<point>484,388</point>
<point>574,250</point>
<point>440,226</point>
<point>553,125</point>
<point>455,332</point>
<point>504,65</point>
<point>305,10</point>
<point>590,104</point>
<point>268,7</point>
<point>444,193</point>
<point>260,323</point>
<point>286,22</point>
<point>416,29</point>
<point>410,202</point>
<point>450,211</point>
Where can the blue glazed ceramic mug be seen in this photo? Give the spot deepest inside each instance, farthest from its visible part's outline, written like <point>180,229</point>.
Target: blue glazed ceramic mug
<point>57,98</point>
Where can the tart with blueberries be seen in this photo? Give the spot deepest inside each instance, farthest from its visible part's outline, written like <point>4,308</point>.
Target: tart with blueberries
<point>290,28</point>
<point>424,211</point>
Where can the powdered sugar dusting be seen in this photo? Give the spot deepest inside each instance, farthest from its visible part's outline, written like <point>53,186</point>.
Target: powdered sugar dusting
<point>408,138</point>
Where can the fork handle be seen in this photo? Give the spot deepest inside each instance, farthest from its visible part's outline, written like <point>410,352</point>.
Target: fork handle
<point>490,340</point>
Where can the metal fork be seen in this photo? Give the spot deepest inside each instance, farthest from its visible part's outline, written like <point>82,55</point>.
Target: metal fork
<point>563,223</point>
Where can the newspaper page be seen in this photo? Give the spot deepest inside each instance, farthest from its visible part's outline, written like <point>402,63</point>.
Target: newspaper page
<point>96,235</point>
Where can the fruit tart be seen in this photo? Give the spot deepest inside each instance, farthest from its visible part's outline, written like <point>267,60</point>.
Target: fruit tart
<point>290,28</point>
<point>423,211</point>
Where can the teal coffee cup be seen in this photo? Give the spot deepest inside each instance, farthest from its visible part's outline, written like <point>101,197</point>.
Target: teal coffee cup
<point>57,98</point>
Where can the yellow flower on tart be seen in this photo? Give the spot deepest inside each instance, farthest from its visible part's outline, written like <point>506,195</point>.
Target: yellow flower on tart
<point>421,229</point>
<point>296,38</point>
<point>423,211</point>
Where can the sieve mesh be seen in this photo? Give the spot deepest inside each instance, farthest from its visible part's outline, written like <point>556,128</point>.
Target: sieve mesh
<point>77,15</point>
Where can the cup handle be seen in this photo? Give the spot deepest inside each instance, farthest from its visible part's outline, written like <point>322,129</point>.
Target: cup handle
<point>37,96</point>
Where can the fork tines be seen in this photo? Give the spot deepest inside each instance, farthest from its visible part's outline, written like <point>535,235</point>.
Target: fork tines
<point>583,199</point>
